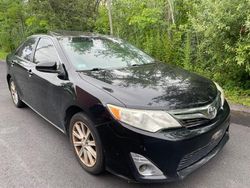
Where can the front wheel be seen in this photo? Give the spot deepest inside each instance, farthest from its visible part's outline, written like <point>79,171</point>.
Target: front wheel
<point>14,95</point>
<point>86,143</point>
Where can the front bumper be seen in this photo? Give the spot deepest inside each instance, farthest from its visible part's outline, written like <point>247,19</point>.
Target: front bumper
<point>176,153</point>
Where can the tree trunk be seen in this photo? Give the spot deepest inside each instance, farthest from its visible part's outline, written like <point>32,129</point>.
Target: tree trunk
<point>171,10</point>
<point>109,3</point>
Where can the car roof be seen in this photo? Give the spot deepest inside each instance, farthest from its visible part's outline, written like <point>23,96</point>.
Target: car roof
<point>62,33</point>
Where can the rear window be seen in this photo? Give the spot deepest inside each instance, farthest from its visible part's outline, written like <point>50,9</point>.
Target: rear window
<point>26,50</point>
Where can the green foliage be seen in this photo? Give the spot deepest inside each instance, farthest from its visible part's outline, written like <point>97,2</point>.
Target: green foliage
<point>102,21</point>
<point>223,33</point>
<point>19,18</point>
<point>3,55</point>
<point>187,52</point>
<point>11,24</point>
<point>238,96</point>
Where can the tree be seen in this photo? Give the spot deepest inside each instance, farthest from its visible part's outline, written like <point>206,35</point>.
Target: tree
<point>12,25</point>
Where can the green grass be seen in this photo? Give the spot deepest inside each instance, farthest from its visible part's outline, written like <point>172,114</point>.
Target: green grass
<point>3,55</point>
<point>238,96</point>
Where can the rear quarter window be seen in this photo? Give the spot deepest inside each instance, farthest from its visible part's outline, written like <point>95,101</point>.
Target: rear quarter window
<point>26,49</point>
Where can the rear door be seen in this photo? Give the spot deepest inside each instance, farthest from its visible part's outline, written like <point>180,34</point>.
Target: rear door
<point>20,66</point>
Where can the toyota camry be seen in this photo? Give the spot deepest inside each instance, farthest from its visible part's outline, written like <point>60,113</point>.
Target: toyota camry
<point>123,111</point>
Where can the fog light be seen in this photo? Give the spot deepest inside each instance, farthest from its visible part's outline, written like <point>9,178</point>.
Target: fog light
<point>146,168</point>
<point>143,168</point>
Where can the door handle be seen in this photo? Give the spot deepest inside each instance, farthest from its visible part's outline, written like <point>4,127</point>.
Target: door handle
<point>30,72</point>
<point>13,63</point>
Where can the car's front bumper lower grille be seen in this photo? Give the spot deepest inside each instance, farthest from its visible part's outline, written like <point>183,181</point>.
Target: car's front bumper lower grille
<point>196,155</point>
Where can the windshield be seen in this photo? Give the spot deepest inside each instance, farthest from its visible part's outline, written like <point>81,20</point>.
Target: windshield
<point>89,53</point>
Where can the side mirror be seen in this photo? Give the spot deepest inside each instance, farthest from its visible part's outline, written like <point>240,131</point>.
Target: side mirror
<point>52,67</point>
<point>47,67</point>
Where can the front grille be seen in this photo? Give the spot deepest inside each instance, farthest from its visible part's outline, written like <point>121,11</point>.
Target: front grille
<point>195,122</point>
<point>196,155</point>
<point>198,116</point>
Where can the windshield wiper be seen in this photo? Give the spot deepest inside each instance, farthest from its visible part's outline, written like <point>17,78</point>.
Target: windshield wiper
<point>96,69</point>
<point>136,64</point>
<point>139,64</point>
<point>93,69</point>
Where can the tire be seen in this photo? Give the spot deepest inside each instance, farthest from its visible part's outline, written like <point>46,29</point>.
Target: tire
<point>86,143</point>
<point>14,94</point>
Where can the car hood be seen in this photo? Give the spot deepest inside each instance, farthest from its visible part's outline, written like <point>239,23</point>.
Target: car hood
<point>154,86</point>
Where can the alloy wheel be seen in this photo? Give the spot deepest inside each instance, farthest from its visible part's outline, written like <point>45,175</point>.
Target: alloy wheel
<point>13,92</point>
<point>84,144</point>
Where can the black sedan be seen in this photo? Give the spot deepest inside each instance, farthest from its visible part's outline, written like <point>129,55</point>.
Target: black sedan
<point>123,111</point>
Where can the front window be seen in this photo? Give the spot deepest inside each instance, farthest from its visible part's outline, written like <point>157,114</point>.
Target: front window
<point>88,53</point>
<point>45,52</point>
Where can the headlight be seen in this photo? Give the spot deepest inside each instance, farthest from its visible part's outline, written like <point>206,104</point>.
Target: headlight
<point>148,120</point>
<point>222,95</point>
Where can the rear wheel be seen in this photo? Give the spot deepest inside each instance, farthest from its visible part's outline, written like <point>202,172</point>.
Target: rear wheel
<point>86,143</point>
<point>14,94</point>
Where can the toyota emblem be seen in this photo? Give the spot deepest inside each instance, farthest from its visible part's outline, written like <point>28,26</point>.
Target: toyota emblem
<point>211,111</point>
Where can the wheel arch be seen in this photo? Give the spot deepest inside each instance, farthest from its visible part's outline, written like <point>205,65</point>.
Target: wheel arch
<point>8,79</point>
<point>70,111</point>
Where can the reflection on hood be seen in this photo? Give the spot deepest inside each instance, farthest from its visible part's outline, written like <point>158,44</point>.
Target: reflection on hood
<point>155,86</point>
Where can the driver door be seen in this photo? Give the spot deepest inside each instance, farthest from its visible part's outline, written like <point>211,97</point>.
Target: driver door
<point>47,87</point>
